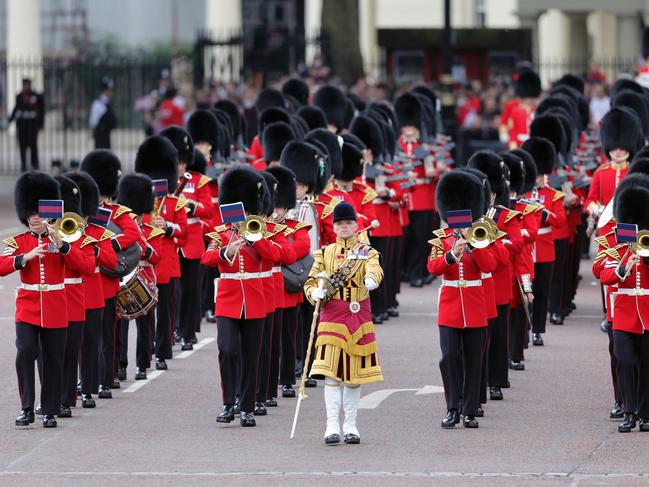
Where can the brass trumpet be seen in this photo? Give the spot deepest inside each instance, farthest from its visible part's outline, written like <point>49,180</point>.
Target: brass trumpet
<point>641,247</point>
<point>70,227</point>
<point>252,228</point>
<point>481,233</point>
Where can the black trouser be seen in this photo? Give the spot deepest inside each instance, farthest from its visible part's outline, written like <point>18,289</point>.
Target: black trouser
<point>461,346</point>
<point>49,343</point>
<point>397,266</point>
<point>90,351</point>
<point>163,325</point>
<point>541,291</point>
<point>144,326</point>
<point>632,353</point>
<point>421,229</point>
<point>275,346</point>
<point>617,393</point>
<point>118,343</point>
<point>211,273</point>
<point>379,296</point>
<point>190,300</point>
<point>71,363</point>
<point>174,308</point>
<point>263,369</point>
<point>239,341</point>
<point>107,350</point>
<point>484,364</point>
<point>498,362</point>
<point>288,355</point>
<point>28,139</point>
<point>517,331</point>
<point>306,317</point>
<point>557,296</point>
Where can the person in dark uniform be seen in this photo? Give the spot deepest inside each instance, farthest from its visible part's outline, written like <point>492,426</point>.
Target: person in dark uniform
<point>29,114</point>
<point>102,117</point>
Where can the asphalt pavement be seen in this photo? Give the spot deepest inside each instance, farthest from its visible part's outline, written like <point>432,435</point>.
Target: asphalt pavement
<point>552,427</point>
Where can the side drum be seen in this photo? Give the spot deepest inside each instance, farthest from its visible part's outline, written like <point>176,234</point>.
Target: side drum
<point>136,296</point>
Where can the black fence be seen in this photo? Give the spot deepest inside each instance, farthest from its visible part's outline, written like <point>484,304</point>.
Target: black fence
<point>607,69</point>
<point>69,88</point>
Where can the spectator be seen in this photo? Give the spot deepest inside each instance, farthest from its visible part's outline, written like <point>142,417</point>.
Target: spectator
<point>170,113</point>
<point>600,103</point>
<point>29,113</point>
<point>102,117</point>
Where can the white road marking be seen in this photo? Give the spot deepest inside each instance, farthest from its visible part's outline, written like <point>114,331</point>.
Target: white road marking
<point>198,346</point>
<point>141,383</point>
<point>374,399</point>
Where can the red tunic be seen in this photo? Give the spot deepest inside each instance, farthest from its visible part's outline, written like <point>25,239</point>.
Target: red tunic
<point>324,206</point>
<point>605,245</point>
<point>422,194</point>
<point>40,306</point>
<point>151,243</point>
<point>552,201</point>
<point>462,302</point>
<point>197,193</point>
<point>130,234</point>
<point>602,187</point>
<point>106,257</point>
<point>297,234</point>
<point>240,289</point>
<point>286,257</point>
<point>387,209</point>
<point>75,274</point>
<point>509,221</point>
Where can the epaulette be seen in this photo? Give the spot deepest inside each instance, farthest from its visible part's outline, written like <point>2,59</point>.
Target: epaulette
<point>121,209</point>
<point>106,235</point>
<point>530,208</point>
<point>600,255</point>
<point>603,241</point>
<point>437,246</point>
<point>203,180</point>
<point>133,216</point>
<point>88,241</point>
<point>512,214</point>
<point>181,203</point>
<point>215,237</point>
<point>278,229</point>
<point>329,208</point>
<point>613,252</point>
<point>369,195</point>
<point>10,242</point>
<point>500,234</point>
<point>558,195</point>
<point>440,233</point>
<point>155,232</point>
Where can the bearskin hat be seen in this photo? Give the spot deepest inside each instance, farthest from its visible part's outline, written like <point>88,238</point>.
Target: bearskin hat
<point>224,121</point>
<point>235,116</point>
<point>70,194</point>
<point>31,187</point>
<point>516,168</point>
<point>270,115</point>
<point>458,190</point>
<point>274,139</point>
<point>200,163</point>
<point>621,129</point>
<point>89,192</point>
<point>486,188</point>
<point>637,103</point>
<point>269,97</point>
<point>491,164</point>
<point>583,107</point>
<point>298,89</point>
<point>299,126</point>
<point>428,118</point>
<point>645,43</point>
<point>352,139</point>
<point>558,100</point>
<point>550,127</point>
<point>333,144</point>
<point>105,168</point>
<point>528,85</point>
<point>625,84</point>
<point>305,162</point>
<point>639,165</point>
<point>313,116</point>
<point>631,201</point>
<point>387,111</point>
<point>182,141</point>
<point>352,163</point>
<point>427,92</point>
<point>573,81</point>
<point>270,193</point>
<point>408,110</point>
<point>643,152</point>
<point>158,158</point>
<point>136,191</point>
<point>324,176</point>
<point>350,113</point>
<point>285,186</point>
<point>357,101</point>
<point>370,133</point>
<point>529,173</point>
<point>543,153</point>
<point>242,183</point>
<point>333,103</point>
<point>570,131</point>
<point>203,127</point>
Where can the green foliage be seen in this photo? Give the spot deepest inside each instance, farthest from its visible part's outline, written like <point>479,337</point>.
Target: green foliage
<point>342,49</point>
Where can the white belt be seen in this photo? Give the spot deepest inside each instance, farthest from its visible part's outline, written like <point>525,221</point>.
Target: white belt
<point>462,283</point>
<point>423,181</point>
<point>544,230</point>
<point>73,280</point>
<point>42,287</point>
<point>277,268</point>
<point>379,201</point>
<point>144,263</point>
<point>193,219</point>
<point>242,276</point>
<point>486,275</point>
<point>633,292</point>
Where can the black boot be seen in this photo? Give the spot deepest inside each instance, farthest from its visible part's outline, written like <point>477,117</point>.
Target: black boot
<point>260,409</point>
<point>104,393</point>
<point>556,319</point>
<point>516,365</point>
<point>121,374</point>
<point>187,345</point>
<point>87,401</point>
<point>115,384</point>
<point>247,419</point>
<point>226,415</point>
<point>644,424</point>
<point>25,418</point>
<point>617,412</point>
<point>470,422</point>
<point>393,311</point>
<point>160,364</point>
<point>627,424</point>
<point>377,319</point>
<point>332,439</point>
<point>237,405</point>
<point>49,421</point>
<point>271,403</point>
<point>310,382</point>
<point>451,419</point>
<point>140,374</point>
<point>65,412</point>
<point>209,316</point>
<point>495,394</point>
<point>288,391</point>
<point>537,340</point>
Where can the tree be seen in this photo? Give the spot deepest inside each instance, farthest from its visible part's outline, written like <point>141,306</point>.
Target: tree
<point>341,47</point>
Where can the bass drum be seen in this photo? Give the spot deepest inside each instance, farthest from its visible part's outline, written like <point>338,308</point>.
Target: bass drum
<point>136,296</point>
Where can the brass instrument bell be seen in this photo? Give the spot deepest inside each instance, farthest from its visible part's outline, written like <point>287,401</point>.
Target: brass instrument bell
<point>252,228</point>
<point>70,227</point>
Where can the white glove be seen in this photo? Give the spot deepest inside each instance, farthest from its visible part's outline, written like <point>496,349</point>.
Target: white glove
<point>370,284</point>
<point>318,294</point>
<point>504,137</point>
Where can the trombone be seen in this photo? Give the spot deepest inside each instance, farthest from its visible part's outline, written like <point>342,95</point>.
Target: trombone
<point>69,227</point>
